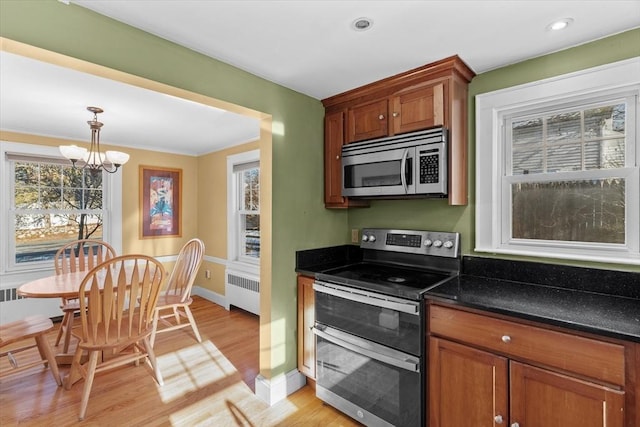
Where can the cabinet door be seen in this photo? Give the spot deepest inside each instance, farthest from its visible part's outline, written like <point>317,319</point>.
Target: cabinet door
<point>333,142</point>
<point>418,109</point>
<point>541,398</point>
<point>368,121</point>
<point>467,387</point>
<point>334,139</point>
<point>306,319</point>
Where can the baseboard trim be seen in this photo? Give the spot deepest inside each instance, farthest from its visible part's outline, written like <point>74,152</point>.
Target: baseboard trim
<point>209,295</point>
<point>276,389</point>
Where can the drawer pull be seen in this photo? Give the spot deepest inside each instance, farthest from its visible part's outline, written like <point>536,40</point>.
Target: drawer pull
<point>498,419</point>
<point>506,339</point>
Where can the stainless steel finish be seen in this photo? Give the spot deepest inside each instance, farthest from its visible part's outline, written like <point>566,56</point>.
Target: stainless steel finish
<point>389,157</point>
<point>498,419</point>
<point>403,166</point>
<point>506,339</point>
<point>370,349</point>
<point>387,240</point>
<point>375,299</point>
<point>354,411</point>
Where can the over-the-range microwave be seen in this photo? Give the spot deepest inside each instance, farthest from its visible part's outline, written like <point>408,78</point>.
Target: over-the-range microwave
<point>409,165</point>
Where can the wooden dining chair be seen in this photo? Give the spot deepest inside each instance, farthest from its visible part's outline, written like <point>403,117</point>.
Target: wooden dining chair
<point>35,327</point>
<point>177,297</point>
<point>78,255</point>
<point>117,300</point>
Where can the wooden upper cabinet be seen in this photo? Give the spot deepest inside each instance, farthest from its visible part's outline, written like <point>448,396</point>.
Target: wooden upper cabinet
<point>407,111</point>
<point>368,121</point>
<point>432,95</point>
<point>418,109</point>
<point>333,142</point>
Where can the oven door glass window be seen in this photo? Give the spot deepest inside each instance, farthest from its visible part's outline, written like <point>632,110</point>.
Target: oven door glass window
<point>381,389</point>
<point>392,328</point>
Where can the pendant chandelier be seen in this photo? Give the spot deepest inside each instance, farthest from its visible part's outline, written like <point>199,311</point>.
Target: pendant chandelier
<point>94,160</point>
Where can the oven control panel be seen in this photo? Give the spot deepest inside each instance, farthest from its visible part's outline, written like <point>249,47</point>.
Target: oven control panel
<point>439,243</point>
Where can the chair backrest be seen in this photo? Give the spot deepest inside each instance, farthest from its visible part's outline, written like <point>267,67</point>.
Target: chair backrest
<point>117,299</point>
<point>82,255</point>
<point>184,272</point>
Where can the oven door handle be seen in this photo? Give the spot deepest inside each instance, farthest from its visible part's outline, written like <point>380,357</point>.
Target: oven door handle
<point>408,307</point>
<point>369,349</point>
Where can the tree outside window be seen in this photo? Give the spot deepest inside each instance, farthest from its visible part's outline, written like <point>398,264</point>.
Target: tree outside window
<point>53,203</point>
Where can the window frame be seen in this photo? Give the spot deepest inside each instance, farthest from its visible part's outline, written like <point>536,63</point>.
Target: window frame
<point>493,196</point>
<point>234,257</point>
<point>112,210</point>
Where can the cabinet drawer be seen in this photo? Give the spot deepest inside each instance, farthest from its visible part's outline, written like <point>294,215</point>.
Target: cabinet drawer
<point>596,359</point>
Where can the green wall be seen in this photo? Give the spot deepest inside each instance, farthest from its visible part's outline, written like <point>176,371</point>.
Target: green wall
<point>299,218</point>
<point>434,214</point>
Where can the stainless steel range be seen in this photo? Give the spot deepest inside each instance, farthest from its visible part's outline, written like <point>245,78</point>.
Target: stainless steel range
<point>370,325</point>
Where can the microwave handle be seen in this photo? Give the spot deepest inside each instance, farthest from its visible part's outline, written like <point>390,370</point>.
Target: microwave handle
<point>403,166</point>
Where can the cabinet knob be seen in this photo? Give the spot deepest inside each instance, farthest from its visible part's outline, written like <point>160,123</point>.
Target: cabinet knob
<point>337,157</point>
<point>381,116</point>
<point>515,425</point>
<point>396,114</point>
<point>498,419</point>
<point>506,339</point>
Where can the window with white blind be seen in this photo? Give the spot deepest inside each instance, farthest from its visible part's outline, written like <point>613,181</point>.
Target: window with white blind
<point>47,203</point>
<point>557,167</point>
<point>244,207</point>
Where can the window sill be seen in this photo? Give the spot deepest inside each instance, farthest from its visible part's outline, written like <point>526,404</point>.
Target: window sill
<point>623,258</point>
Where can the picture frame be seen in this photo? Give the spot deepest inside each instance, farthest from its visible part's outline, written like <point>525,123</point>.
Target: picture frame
<point>160,202</point>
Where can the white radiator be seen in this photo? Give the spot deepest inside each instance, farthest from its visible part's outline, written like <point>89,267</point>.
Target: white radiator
<point>242,290</point>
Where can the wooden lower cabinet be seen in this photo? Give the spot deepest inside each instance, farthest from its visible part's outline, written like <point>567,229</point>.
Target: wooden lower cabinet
<point>475,384</point>
<point>306,319</point>
<point>540,397</point>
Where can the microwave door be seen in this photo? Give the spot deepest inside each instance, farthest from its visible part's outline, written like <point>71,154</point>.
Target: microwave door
<point>380,173</point>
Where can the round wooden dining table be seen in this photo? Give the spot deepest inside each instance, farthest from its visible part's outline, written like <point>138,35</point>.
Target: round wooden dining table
<point>57,286</point>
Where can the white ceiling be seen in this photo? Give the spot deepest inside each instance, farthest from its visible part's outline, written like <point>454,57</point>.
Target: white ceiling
<point>305,45</point>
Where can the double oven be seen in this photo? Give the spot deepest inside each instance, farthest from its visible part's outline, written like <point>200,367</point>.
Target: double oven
<point>370,325</point>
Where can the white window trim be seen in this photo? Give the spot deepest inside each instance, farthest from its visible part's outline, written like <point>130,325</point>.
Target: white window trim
<point>491,107</point>
<point>246,264</point>
<point>113,204</point>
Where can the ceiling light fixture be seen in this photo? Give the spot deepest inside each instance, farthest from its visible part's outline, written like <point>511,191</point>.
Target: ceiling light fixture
<point>94,159</point>
<point>560,24</point>
<point>362,24</point>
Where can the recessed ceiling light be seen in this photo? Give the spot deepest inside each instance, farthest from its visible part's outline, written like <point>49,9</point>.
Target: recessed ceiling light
<point>560,24</point>
<point>362,24</point>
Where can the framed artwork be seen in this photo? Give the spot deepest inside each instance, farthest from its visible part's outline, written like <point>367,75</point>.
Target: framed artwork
<point>160,202</point>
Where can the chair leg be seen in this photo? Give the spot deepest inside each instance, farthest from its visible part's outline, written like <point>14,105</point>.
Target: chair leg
<point>67,332</point>
<point>88,382</point>
<point>176,315</point>
<point>156,314</point>
<point>45,349</point>
<point>192,321</point>
<point>152,360</point>
<point>62,327</point>
<point>75,373</point>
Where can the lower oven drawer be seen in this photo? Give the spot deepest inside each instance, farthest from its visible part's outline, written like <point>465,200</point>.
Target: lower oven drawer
<point>375,385</point>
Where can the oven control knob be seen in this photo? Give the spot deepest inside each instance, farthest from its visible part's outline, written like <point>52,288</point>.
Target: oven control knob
<point>365,238</point>
<point>428,242</point>
<point>372,238</point>
<point>437,243</point>
<point>448,244</point>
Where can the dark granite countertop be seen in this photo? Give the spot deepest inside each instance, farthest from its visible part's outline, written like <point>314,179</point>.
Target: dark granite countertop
<point>608,315</point>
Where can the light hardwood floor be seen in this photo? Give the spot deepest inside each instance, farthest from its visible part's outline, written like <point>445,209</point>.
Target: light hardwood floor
<point>207,384</point>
